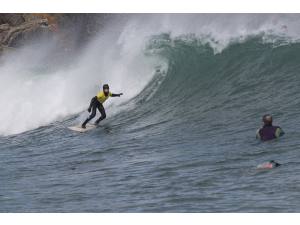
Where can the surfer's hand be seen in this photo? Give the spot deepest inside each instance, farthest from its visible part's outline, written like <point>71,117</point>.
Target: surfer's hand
<point>120,94</point>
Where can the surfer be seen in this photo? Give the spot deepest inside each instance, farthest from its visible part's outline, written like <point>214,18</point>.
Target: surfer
<point>97,103</point>
<point>268,131</point>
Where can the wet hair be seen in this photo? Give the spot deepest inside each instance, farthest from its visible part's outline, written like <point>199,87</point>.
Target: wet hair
<point>267,119</point>
<point>105,86</point>
<point>275,164</point>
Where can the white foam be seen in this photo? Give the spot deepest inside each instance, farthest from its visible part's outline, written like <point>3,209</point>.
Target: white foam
<point>30,99</point>
<point>219,30</point>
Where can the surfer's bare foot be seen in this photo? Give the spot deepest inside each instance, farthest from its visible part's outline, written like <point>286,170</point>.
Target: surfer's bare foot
<point>83,126</point>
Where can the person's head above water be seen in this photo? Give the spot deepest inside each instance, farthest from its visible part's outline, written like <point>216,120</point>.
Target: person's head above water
<point>267,119</point>
<point>268,131</point>
<point>106,89</point>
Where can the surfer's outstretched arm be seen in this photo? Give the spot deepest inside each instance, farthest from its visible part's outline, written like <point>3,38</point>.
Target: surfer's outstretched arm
<point>116,95</point>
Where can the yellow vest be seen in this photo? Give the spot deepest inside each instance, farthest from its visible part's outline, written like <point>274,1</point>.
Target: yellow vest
<point>101,96</point>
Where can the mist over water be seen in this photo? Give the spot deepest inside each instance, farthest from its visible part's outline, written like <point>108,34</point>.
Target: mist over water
<point>36,92</point>
<point>182,139</point>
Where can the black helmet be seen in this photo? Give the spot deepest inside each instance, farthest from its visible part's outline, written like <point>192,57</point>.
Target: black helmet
<point>105,86</point>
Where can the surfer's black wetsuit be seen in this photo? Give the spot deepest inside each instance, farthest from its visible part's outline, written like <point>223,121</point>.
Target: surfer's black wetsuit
<point>96,104</point>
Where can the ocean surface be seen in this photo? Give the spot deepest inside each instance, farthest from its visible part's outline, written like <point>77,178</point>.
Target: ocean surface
<point>182,141</point>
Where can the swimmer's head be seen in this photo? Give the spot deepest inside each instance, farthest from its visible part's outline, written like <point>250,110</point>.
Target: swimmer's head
<point>275,164</point>
<point>267,119</point>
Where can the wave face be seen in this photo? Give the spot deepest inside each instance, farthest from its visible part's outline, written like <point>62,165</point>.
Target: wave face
<point>239,84</point>
<point>184,138</point>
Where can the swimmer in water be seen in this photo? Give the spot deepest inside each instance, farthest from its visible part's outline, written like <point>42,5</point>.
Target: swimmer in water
<point>268,131</point>
<point>269,165</point>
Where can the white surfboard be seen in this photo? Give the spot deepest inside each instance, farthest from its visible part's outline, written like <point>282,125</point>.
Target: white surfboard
<point>78,128</point>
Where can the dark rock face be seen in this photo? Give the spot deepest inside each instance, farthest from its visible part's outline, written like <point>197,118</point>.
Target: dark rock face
<point>11,19</point>
<point>15,30</point>
<point>71,30</point>
<point>10,36</point>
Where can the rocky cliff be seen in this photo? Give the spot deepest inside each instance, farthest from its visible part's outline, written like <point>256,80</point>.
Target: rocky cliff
<point>72,30</point>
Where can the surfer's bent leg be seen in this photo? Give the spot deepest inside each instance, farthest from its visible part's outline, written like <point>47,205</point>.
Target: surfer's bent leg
<point>93,114</point>
<point>103,114</point>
